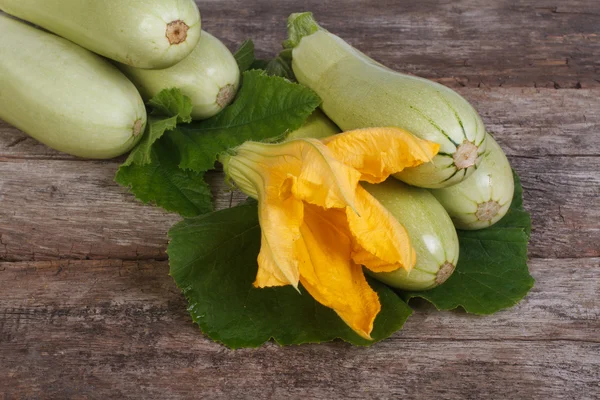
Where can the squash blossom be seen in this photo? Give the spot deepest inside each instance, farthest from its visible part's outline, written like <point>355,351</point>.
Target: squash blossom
<point>319,226</point>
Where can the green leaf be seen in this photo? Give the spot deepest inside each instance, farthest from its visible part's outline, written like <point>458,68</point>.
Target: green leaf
<point>172,103</point>
<point>266,108</point>
<point>279,66</point>
<point>492,272</point>
<point>163,183</point>
<point>213,261</point>
<point>168,169</point>
<point>174,108</point>
<point>245,55</point>
<point>155,128</point>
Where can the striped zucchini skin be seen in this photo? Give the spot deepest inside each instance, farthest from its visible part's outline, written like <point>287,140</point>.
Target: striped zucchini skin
<point>358,92</point>
<point>142,33</point>
<point>209,76</point>
<point>65,96</point>
<point>431,232</point>
<point>484,198</point>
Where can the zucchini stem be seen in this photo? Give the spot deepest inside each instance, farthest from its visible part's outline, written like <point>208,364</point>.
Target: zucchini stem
<point>177,32</point>
<point>488,210</point>
<point>137,127</point>
<point>226,95</point>
<point>444,272</point>
<point>299,26</point>
<point>465,155</point>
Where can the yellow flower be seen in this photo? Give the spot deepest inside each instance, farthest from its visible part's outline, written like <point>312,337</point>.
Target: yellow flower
<point>319,226</point>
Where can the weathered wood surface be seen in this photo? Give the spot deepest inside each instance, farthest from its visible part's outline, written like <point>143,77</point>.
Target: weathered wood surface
<point>127,324</point>
<point>87,309</point>
<point>551,137</point>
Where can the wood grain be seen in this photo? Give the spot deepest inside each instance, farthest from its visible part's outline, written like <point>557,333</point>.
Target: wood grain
<point>66,211</point>
<point>459,43</point>
<point>88,311</point>
<point>125,322</point>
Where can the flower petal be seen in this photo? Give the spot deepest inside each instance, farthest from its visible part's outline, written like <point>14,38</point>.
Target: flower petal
<point>280,221</point>
<point>380,242</point>
<point>328,272</point>
<point>379,152</point>
<point>318,178</point>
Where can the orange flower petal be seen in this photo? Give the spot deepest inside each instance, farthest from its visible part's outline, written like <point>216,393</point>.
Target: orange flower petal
<point>280,221</point>
<point>381,242</point>
<point>304,167</point>
<point>328,272</point>
<point>379,152</point>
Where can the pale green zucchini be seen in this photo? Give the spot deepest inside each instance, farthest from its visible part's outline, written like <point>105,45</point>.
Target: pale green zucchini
<point>358,92</point>
<point>141,33</point>
<point>317,126</point>
<point>65,96</point>
<point>430,230</point>
<point>484,198</point>
<point>209,76</point>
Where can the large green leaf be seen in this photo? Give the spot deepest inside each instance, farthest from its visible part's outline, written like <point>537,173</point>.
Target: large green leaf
<point>278,66</point>
<point>213,261</point>
<point>168,166</point>
<point>163,183</point>
<point>267,107</point>
<point>169,108</point>
<point>244,56</point>
<point>155,129</point>
<point>172,103</point>
<point>492,272</point>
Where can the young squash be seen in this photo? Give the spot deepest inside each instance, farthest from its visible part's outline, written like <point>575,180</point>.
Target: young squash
<point>484,198</point>
<point>65,96</point>
<point>317,126</point>
<point>430,230</point>
<point>140,33</point>
<point>358,92</point>
<point>209,76</point>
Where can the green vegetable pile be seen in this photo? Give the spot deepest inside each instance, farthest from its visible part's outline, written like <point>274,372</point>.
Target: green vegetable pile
<point>203,102</point>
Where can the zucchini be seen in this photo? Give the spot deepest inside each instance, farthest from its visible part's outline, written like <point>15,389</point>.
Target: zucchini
<point>209,76</point>
<point>484,198</point>
<point>65,96</point>
<point>141,33</point>
<point>358,92</point>
<point>430,230</point>
<point>317,126</point>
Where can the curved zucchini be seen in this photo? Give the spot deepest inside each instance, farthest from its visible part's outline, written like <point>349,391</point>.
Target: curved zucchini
<point>430,230</point>
<point>65,96</point>
<point>209,76</point>
<point>358,92</point>
<point>317,126</point>
<point>484,198</point>
<point>141,33</point>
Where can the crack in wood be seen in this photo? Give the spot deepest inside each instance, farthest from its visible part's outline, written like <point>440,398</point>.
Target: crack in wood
<point>16,142</point>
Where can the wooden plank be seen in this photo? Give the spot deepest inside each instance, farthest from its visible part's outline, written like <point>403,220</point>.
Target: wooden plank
<point>526,121</point>
<point>66,209</point>
<point>562,306</point>
<point>563,196</point>
<point>408,369</point>
<point>460,43</point>
<point>541,122</point>
<point>63,209</point>
<point>113,329</point>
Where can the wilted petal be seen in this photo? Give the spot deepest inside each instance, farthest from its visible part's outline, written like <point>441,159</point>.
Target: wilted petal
<point>381,242</point>
<point>379,152</point>
<point>328,272</point>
